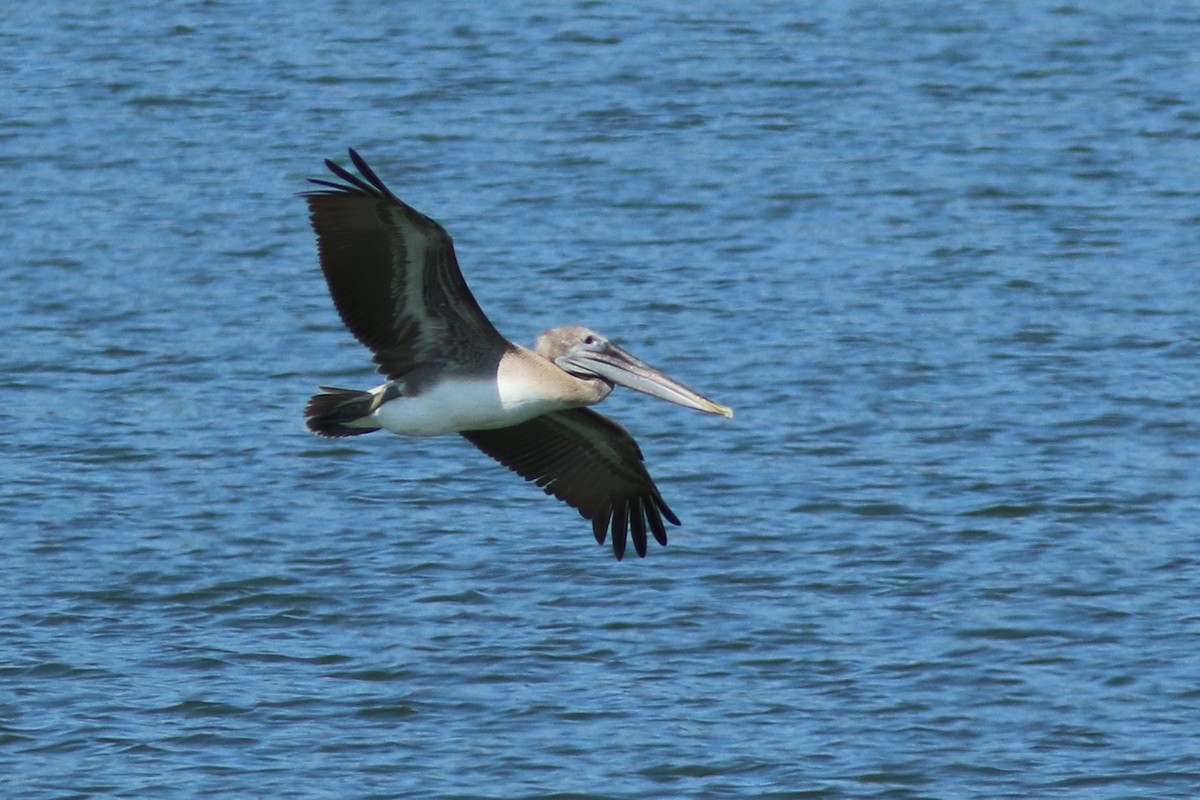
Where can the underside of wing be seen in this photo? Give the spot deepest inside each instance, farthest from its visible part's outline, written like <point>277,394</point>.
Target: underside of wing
<point>393,274</point>
<point>592,464</point>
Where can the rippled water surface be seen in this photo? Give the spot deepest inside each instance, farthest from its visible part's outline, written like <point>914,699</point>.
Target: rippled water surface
<point>943,259</point>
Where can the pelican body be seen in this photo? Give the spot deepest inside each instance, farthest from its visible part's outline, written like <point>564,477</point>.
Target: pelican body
<point>396,284</point>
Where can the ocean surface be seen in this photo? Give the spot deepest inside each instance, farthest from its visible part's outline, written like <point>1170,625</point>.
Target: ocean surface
<point>942,258</point>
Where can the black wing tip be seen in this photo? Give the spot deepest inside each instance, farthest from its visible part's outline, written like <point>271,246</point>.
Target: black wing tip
<point>368,185</point>
<point>620,528</point>
<point>600,527</point>
<point>661,505</point>
<point>374,180</point>
<point>639,516</point>
<point>637,526</point>
<point>360,164</point>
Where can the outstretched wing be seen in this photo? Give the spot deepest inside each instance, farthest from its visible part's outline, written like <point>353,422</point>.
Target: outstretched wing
<point>393,275</point>
<point>590,463</point>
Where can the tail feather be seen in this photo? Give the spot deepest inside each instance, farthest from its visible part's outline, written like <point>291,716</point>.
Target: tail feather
<point>334,412</point>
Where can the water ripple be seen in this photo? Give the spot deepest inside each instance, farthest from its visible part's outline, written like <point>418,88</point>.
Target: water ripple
<point>943,266</point>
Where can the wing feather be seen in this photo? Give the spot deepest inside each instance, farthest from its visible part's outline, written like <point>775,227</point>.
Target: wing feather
<point>590,463</point>
<point>393,274</point>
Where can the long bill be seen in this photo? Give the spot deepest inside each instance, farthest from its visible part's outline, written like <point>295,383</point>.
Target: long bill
<point>621,368</point>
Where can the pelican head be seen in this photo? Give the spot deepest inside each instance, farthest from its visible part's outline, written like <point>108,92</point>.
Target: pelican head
<point>586,354</point>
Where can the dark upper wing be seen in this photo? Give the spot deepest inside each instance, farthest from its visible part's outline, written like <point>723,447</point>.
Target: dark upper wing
<point>589,462</point>
<point>393,275</point>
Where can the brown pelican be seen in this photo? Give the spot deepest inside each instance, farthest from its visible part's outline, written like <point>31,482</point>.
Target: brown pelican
<point>396,284</point>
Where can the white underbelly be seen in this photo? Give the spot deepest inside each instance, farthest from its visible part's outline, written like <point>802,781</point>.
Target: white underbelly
<point>451,406</point>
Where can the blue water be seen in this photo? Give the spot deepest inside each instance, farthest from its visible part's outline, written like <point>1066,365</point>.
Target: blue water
<point>943,259</point>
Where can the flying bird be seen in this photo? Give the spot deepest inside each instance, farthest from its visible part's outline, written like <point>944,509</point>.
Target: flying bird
<point>397,286</point>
